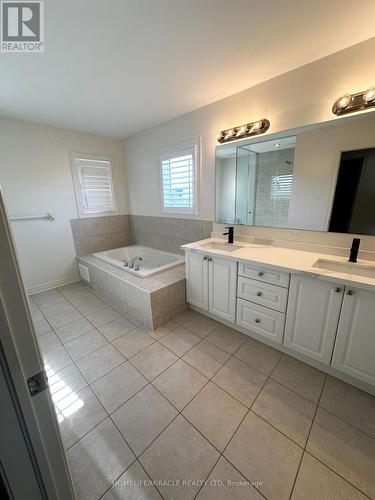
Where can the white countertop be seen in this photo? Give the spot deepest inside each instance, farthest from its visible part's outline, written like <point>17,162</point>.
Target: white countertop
<point>286,259</point>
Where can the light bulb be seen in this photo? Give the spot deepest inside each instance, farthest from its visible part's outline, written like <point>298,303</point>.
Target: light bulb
<point>229,133</point>
<point>277,145</point>
<point>369,96</point>
<point>257,125</point>
<point>344,101</point>
<point>241,130</point>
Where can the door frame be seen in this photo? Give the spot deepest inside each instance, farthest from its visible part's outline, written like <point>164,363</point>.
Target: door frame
<point>21,360</point>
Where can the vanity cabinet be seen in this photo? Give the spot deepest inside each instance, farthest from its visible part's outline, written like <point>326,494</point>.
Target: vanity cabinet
<point>312,317</point>
<point>354,351</point>
<point>212,284</point>
<point>331,323</point>
<point>197,279</point>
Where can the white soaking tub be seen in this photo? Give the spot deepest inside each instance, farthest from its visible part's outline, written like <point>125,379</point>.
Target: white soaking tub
<point>154,261</point>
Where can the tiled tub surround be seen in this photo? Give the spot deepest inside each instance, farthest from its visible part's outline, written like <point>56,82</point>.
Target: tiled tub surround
<point>163,233</point>
<point>148,302</point>
<point>96,234</point>
<point>196,400</point>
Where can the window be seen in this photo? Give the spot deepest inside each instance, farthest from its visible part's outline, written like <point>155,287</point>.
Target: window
<point>281,187</point>
<point>179,179</point>
<point>93,185</point>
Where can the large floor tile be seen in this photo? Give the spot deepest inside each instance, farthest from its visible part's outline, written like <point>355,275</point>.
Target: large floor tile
<point>162,330</point>
<point>180,340</point>
<point>85,344</point>
<point>300,377</point>
<point>118,386</point>
<point>102,317</point>
<point>78,413</point>
<point>133,342</point>
<point>143,418</point>
<point>47,297</point>
<point>99,362</point>
<point>180,383</point>
<point>179,453</point>
<point>215,414</point>
<point>240,380</point>
<point>56,359</point>
<point>67,380</point>
<point>77,295</point>
<point>90,304</point>
<point>352,405</point>
<point>134,484</point>
<point>73,330</point>
<point>153,360</point>
<point>64,318</point>
<point>35,311</point>
<point>116,328</point>
<point>226,483</point>
<point>50,310</point>
<point>287,411</point>
<point>263,454</point>
<point>258,355</point>
<point>206,358</point>
<point>48,342</point>
<point>316,481</point>
<point>97,460</point>
<point>199,324</point>
<point>346,450</point>
<point>227,339</point>
<point>42,327</point>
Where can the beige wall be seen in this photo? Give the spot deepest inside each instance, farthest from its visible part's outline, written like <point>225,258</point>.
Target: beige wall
<point>301,97</point>
<point>35,177</point>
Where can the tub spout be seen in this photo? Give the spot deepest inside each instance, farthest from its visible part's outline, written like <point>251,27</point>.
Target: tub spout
<point>132,263</point>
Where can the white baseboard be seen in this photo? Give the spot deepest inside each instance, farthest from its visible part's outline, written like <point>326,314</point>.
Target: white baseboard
<point>53,284</point>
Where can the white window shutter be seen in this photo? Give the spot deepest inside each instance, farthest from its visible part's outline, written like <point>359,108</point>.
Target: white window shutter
<point>179,180</point>
<point>96,186</point>
<point>281,187</point>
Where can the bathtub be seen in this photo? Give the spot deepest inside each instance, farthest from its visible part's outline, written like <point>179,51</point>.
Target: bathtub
<point>154,261</point>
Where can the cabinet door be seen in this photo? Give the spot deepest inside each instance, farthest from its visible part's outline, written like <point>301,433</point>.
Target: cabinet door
<point>355,342</point>
<point>197,279</point>
<point>222,288</point>
<point>312,317</point>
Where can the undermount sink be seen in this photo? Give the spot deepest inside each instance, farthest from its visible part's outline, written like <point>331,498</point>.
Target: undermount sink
<point>346,267</point>
<point>226,247</point>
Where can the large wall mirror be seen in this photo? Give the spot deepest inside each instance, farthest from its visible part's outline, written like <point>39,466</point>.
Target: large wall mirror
<point>320,177</point>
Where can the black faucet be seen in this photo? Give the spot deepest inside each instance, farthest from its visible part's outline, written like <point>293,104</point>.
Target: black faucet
<point>230,234</point>
<point>354,250</point>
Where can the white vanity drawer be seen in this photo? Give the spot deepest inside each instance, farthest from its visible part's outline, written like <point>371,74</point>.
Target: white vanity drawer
<point>266,274</point>
<point>261,320</point>
<point>263,294</point>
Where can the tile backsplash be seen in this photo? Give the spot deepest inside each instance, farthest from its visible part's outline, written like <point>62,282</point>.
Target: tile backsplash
<point>96,234</point>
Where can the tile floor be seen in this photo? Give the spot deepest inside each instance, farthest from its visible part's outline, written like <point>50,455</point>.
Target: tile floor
<point>196,410</point>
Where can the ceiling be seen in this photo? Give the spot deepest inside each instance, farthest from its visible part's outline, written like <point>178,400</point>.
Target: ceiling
<point>115,67</point>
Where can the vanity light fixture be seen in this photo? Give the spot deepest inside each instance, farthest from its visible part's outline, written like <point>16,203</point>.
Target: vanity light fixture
<point>350,103</point>
<point>242,131</point>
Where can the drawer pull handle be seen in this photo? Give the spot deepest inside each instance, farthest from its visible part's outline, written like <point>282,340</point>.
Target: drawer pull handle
<point>260,273</point>
<point>259,294</point>
<point>350,292</point>
<point>205,257</point>
<point>338,290</point>
<point>257,320</point>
